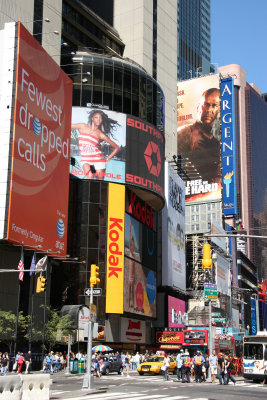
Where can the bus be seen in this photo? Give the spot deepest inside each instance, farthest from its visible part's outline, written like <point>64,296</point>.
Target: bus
<point>195,339</point>
<point>225,344</point>
<point>255,353</point>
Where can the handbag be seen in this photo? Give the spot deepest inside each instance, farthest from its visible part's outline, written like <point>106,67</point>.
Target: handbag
<point>163,368</point>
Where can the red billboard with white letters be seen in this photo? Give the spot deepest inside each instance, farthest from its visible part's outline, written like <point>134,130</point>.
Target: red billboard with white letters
<point>38,202</point>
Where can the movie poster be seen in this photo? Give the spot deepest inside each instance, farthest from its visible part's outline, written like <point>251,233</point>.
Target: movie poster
<point>199,136</point>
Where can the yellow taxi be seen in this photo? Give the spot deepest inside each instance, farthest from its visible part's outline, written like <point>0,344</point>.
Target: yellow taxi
<point>153,365</point>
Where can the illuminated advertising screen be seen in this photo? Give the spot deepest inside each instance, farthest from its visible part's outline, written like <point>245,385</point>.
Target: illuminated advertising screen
<point>177,316</point>
<point>199,136</point>
<point>38,203</point>
<point>143,221</point>
<point>169,337</point>
<point>145,148</point>
<point>116,147</point>
<point>173,230</point>
<point>228,146</point>
<point>139,288</point>
<point>98,139</point>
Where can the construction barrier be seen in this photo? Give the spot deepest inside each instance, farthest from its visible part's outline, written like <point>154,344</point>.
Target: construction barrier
<point>35,386</point>
<point>10,387</point>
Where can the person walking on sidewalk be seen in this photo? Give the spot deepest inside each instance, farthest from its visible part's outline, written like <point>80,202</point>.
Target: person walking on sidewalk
<point>186,368</point>
<point>179,364</point>
<point>228,367</point>
<point>213,362</point>
<point>166,366</point>
<point>20,363</point>
<point>126,364</point>
<point>28,361</point>
<point>221,368</point>
<point>198,362</point>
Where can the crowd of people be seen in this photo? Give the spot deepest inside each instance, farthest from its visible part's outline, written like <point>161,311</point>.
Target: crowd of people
<point>198,368</point>
<point>17,363</point>
<point>202,366</point>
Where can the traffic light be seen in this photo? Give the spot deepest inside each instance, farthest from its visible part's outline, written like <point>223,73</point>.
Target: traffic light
<point>41,284</point>
<point>94,280</point>
<point>206,260</point>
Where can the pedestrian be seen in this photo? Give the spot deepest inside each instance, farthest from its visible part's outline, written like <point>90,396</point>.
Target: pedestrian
<point>265,369</point>
<point>21,360</point>
<point>179,364</point>
<point>198,362</point>
<point>28,361</point>
<point>228,368</point>
<point>48,363</point>
<point>4,364</point>
<point>186,368</point>
<point>126,364</point>
<point>221,367</point>
<point>166,366</point>
<point>213,362</point>
<point>96,366</point>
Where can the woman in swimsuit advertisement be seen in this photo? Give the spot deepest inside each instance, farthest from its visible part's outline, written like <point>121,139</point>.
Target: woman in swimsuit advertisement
<point>99,129</point>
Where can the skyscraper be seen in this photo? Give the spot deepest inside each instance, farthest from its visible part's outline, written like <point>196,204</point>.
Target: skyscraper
<point>193,31</point>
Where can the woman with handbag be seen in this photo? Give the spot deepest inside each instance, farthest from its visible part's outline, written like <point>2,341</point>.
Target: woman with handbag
<point>228,366</point>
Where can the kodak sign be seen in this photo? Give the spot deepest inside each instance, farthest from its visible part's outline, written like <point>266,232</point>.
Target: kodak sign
<point>115,249</point>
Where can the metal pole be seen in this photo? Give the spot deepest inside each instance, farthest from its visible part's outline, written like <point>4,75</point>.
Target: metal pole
<point>88,378</point>
<point>210,338</point>
<point>67,371</point>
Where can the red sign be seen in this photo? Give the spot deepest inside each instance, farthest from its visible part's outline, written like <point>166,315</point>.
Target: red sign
<point>167,337</point>
<point>38,202</point>
<point>141,211</point>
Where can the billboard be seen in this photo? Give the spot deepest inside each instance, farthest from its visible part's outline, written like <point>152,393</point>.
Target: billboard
<point>177,316</point>
<point>228,146</point>
<point>133,331</point>
<point>98,139</point>
<point>173,231</point>
<point>38,201</point>
<point>145,153</point>
<point>199,135</point>
<point>139,288</point>
<point>141,225</point>
<point>216,229</point>
<point>223,275</point>
<point>116,147</point>
<point>115,249</point>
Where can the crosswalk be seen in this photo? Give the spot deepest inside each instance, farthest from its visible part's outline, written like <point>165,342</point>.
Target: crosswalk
<point>116,389</point>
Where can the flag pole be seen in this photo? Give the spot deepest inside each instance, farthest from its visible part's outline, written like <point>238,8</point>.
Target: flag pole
<point>33,284</point>
<point>18,304</point>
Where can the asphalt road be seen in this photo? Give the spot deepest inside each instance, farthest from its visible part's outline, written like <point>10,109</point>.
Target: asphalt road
<point>116,387</point>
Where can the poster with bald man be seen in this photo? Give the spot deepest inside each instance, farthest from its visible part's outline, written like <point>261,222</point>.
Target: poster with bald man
<point>199,136</point>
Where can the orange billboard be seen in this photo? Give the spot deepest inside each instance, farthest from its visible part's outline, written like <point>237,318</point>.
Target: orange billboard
<point>38,201</point>
<point>115,248</point>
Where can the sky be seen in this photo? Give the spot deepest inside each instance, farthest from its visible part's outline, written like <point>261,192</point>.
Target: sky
<point>239,36</point>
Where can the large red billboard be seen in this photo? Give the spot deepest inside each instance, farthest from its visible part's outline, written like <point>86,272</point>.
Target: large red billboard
<point>38,202</point>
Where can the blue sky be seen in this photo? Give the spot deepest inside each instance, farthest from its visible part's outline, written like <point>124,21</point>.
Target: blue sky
<point>239,36</point>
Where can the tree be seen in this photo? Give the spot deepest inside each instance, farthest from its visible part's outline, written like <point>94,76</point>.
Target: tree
<point>8,327</point>
<point>56,326</point>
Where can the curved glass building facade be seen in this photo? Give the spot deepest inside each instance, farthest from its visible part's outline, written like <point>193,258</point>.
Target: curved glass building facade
<point>116,84</point>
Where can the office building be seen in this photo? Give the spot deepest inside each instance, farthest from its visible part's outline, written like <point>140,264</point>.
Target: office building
<point>194,41</point>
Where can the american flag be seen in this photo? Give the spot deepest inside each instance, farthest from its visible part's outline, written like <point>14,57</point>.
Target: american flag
<point>21,268</point>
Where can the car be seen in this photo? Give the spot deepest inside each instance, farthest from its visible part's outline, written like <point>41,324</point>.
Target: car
<point>110,364</point>
<point>153,365</point>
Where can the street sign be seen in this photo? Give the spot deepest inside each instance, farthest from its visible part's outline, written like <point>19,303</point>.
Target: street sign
<point>96,292</point>
<point>216,314</point>
<point>223,320</point>
<point>210,291</point>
